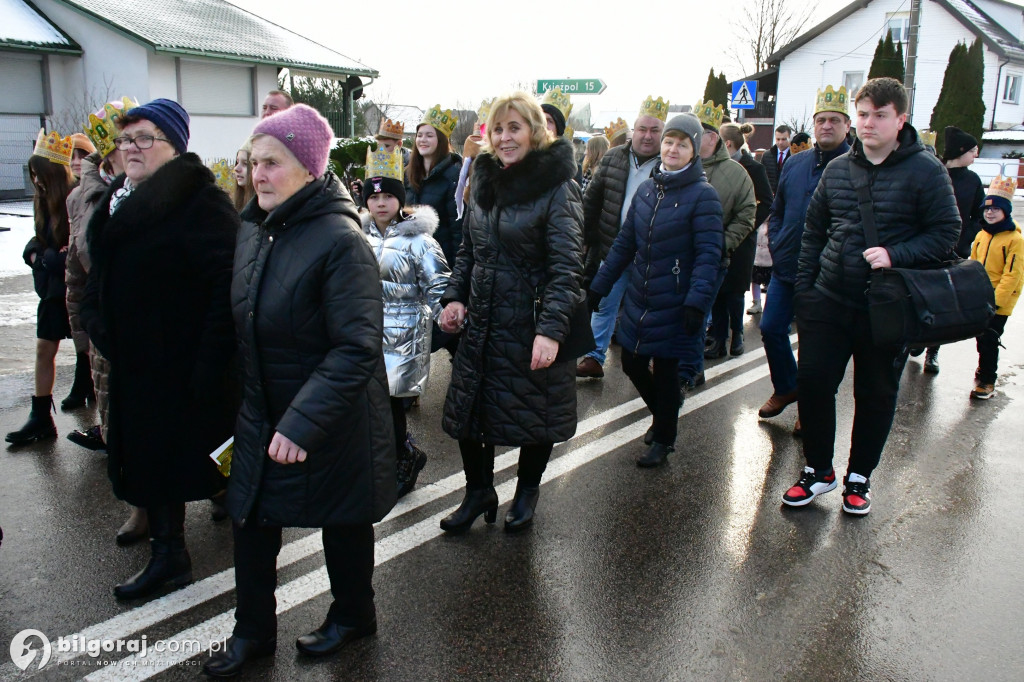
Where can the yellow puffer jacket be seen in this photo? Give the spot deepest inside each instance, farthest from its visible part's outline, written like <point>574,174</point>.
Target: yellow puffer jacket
<point>1002,255</point>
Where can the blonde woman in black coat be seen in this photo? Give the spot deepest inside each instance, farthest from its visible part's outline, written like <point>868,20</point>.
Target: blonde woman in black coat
<point>513,287</point>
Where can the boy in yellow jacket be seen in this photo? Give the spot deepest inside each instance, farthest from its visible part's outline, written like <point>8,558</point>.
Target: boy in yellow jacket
<point>1000,248</point>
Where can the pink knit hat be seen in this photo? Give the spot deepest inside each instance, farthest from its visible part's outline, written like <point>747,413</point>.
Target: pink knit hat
<point>304,132</point>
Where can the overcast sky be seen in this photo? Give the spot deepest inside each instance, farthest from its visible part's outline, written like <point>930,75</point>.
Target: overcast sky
<point>461,51</point>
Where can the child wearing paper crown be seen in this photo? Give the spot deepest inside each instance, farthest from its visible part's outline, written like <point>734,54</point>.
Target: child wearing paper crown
<point>414,274</point>
<point>1000,247</point>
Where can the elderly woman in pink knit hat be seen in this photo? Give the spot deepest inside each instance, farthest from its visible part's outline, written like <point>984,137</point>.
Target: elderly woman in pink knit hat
<point>313,443</point>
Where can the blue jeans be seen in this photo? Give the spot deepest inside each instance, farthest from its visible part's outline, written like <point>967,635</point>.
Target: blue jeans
<point>603,321</point>
<point>692,362</point>
<point>775,325</point>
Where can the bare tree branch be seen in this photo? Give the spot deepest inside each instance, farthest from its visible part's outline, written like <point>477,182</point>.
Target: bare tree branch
<point>764,26</point>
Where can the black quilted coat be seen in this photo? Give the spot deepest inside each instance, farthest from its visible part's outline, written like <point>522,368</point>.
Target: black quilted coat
<point>156,305</point>
<point>306,298</point>
<point>915,213</point>
<point>438,191</point>
<point>532,211</point>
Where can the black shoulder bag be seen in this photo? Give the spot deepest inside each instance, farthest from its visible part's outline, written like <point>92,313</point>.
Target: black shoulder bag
<point>579,340</point>
<point>930,305</point>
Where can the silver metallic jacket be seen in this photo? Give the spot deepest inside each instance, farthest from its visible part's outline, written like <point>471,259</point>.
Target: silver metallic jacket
<point>413,274</point>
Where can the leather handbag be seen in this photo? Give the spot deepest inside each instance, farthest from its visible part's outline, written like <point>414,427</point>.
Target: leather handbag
<point>926,306</point>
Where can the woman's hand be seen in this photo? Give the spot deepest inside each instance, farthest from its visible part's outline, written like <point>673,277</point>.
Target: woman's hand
<point>283,451</point>
<point>545,351</point>
<point>452,317</point>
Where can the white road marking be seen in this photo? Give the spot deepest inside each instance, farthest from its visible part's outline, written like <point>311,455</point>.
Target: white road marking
<point>316,582</point>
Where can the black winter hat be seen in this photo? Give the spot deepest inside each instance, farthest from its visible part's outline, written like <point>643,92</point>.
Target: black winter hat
<point>379,185</point>
<point>958,143</point>
<point>557,116</point>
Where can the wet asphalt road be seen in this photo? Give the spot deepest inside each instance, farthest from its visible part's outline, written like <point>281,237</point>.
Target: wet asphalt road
<point>691,571</point>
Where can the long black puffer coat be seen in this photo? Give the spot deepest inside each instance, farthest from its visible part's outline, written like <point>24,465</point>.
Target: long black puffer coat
<point>532,211</point>
<point>438,191</point>
<point>156,305</point>
<point>915,213</point>
<point>306,298</point>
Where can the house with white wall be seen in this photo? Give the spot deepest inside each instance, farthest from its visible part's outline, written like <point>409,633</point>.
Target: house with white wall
<point>60,59</point>
<point>839,51</point>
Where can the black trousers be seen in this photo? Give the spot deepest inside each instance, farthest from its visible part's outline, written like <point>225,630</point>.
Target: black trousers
<point>988,350</point>
<point>726,314</point>
<point>478,463</point>
<point>348,553</point>
<point>830,334</point>
<point>660,391</point>
<point>400,423</point>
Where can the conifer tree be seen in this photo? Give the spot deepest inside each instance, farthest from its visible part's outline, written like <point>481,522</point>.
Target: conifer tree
<point>724,92</point>
<point>961,102</point>
<point>888,59</point>
<point>876,61</point>
<point>899,70</point>
<point>711,87</point>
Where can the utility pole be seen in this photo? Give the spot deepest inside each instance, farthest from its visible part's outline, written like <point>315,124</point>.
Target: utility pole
<point>912,38</point>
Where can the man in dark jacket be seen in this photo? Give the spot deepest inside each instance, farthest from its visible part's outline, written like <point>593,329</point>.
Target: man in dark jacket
<point>915,211</point>
<point>775,158</point>
<point>785,229</point>
<point>605,204</point>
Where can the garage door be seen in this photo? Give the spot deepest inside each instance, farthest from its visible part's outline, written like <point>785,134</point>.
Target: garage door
<point>21,115</point>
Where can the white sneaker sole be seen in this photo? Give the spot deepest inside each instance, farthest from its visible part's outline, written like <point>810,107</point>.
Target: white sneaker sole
<point>855,512</point>
<point>829,487</point>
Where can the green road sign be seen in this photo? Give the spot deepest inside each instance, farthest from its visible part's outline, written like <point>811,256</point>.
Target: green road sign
<point>572,86</point>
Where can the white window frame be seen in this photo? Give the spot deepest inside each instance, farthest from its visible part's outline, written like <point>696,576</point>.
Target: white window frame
<point>904,27</point>
<point>197,109</point>
<point>852,92</point>
<point>1012,96</point>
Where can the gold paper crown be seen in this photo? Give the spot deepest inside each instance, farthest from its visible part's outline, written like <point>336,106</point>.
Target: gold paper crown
<point>485,110</point>
<point>658,108</point>
<point>569,133</point>
<point>444,121</point>
<point>559,100</point>
<point>391,129</point>
<point>708,113</point>
<point>927,137</point>
<point>831,99</point>
<point>102,126</point>
<point>382,164</point>
<point>54,147</point>
<point>1002,187</point>
<point>224,172</point>
<point>618,127</point>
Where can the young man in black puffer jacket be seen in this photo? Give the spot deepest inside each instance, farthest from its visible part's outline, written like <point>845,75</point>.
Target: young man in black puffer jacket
<point>918,222</point>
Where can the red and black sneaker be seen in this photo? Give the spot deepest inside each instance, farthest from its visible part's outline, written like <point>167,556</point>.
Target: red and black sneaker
<point>810,485</point>
<point>856,495</point>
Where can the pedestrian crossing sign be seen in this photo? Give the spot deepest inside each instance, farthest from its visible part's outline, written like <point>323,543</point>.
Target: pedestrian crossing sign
<point>744,94</point>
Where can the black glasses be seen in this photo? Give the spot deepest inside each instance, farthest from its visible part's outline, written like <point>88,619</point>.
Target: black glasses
<point>141,142</point>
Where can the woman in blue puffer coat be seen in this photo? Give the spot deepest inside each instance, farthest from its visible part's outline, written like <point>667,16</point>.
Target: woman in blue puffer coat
<point>671,242</point>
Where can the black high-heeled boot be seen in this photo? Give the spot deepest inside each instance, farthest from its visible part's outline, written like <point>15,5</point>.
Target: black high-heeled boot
<point>82,389</point>
<point>520,513</point>
<point>169,563</point>
<point>39,425</point>
<point>476,502</point>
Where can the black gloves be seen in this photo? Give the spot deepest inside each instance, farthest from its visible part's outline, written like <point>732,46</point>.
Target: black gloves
<point>593,300</point>
<point>693,318</point>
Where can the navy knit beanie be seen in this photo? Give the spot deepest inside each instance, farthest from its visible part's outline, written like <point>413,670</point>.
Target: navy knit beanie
<point>168,116</point>
<point>1001,203</point>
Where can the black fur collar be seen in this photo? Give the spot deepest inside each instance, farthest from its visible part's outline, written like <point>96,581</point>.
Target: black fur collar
<point>541,171</point>
<point>173,186</point>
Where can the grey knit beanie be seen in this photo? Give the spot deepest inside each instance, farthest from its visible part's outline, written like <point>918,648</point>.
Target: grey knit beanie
<point>689,125</point>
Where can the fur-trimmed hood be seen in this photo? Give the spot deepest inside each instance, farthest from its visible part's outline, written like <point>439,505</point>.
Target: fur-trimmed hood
<point>419,220</point>
<point>540,171</point>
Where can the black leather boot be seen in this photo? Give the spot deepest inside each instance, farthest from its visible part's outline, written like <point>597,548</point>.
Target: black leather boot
<point>476,502</point>
<point>169,563</point>
<point>736,347</point>
<point>331,637</point>
<point>82,389</point>
<point>931,361</point>
<point>715,350</point>
<point>39,425</point>
<point>411,461</point>
<point>229,661</point>
<point>520,513</point>
<point>655,456</point>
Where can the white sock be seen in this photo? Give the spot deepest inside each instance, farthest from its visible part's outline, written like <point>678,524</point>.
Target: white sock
<point>855,478</point>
